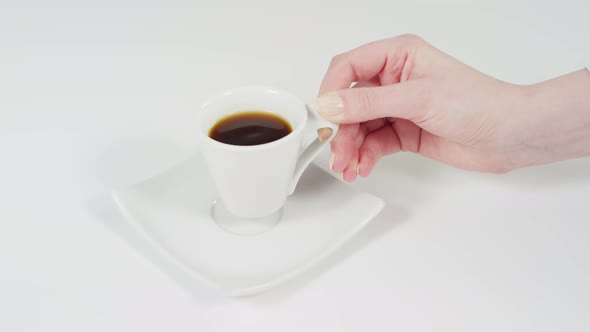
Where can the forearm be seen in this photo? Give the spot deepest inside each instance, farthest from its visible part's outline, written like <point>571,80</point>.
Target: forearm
<point>556,118</point>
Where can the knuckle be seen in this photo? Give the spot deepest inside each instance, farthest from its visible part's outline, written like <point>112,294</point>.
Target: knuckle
<point>337,60</point>
<point>411,38</point>
<point>364,100</point>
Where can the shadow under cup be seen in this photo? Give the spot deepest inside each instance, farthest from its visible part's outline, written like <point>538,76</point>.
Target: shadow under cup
<point>254,181</point>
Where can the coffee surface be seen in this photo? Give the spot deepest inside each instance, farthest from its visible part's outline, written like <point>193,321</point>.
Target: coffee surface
<point>250,128</point>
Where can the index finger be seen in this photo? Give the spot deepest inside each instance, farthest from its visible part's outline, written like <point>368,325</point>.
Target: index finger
<point>366,62</point>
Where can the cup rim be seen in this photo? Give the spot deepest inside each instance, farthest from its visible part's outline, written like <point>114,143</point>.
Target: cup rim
<point>261,88</point>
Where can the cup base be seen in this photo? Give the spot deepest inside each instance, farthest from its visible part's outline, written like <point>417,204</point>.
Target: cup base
<point>243,226</point>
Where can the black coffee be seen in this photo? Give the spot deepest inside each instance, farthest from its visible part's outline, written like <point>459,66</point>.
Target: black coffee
<point>250,128</point>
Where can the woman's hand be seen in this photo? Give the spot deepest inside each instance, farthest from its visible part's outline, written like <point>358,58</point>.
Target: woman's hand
<point>410,96</point>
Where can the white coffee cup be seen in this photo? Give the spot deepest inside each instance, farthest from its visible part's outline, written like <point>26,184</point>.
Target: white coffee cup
<point>255,181</point>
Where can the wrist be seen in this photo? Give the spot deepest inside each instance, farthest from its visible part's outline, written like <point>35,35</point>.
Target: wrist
<point>555,119</point>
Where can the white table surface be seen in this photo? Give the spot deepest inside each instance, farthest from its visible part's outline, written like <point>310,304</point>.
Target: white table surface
<point>98,94</point>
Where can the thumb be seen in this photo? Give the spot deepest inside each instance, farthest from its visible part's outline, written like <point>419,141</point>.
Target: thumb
<point>407,100</point>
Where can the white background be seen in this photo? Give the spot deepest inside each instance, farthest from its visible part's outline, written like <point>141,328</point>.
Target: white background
<point>98,94</point>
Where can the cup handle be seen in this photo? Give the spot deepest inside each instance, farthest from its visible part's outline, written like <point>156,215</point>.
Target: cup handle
<point>315,121</point>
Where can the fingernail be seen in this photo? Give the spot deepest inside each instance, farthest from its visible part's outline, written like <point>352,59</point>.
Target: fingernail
<point>324,134</point>
<point>332,159</point>
<point>358,166</point>
<point>329,105</point>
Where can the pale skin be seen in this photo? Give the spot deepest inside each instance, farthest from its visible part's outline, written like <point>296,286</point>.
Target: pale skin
<point>409,96</point>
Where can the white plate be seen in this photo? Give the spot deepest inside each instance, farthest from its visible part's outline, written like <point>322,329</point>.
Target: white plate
<point>172,211</point>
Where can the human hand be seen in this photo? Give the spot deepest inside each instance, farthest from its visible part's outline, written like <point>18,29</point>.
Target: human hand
<point>410,96</point>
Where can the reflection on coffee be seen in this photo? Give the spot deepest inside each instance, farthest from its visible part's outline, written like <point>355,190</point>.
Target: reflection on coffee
<point>250,128</point>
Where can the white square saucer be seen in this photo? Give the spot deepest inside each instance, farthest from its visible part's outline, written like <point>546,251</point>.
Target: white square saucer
<point>173,212</point>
